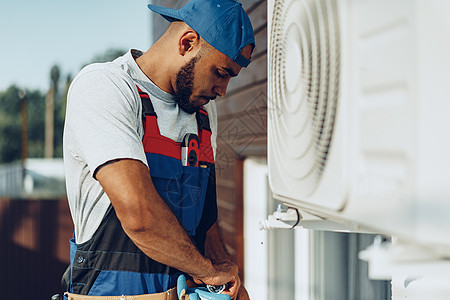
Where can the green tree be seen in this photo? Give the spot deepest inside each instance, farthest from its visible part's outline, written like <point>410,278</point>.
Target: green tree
<point>60,114</point>
<point>36,123</point>
<point>10,143</point>
<point>10,124</point>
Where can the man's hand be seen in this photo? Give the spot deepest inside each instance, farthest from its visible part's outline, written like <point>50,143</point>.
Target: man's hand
<point>216,251</point>
<point>226,273</point>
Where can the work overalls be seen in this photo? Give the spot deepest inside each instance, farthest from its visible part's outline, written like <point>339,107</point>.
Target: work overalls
<point>109,264</point>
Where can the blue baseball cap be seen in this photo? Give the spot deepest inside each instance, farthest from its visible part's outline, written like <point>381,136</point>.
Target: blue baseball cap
<point>224,24</point>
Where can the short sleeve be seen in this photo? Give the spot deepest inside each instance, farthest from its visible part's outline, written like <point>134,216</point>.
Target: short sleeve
<point>102,118</point>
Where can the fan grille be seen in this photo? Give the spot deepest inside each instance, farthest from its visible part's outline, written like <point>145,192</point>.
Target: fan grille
<point>304,87</point>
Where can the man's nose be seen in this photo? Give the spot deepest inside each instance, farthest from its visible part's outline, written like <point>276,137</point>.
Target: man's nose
<point>220,89</point>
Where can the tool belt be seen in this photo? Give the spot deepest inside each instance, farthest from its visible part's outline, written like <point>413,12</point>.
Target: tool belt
<point>167,295</point>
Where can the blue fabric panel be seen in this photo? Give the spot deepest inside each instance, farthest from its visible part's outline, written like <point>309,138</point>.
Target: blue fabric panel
<point>116,283</point>
<point>73,250</point>
<point>183,188</point>
<point>189,209</point>
<point>166,175</point>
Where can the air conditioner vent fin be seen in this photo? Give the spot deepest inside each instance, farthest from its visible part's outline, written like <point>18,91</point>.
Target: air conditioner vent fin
<point>304,64</point>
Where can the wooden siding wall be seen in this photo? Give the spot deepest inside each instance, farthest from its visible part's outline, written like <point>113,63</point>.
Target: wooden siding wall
<point>242,126</point>
<point>34,247</point>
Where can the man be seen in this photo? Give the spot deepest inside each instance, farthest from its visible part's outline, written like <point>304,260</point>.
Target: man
<point>139,143</point>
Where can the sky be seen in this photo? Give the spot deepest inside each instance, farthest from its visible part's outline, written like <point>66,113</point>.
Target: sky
<point>35,35</point>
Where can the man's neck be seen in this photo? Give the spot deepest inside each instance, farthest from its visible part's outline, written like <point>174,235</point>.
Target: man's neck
<point>156,68</point>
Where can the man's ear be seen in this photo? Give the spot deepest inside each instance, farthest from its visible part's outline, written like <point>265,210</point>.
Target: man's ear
<point>189,41</point>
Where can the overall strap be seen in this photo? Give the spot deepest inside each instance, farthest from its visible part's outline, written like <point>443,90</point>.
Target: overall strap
<point>147,106</point>
<point>148,113</point>
<point>149,119</point>
<point>202,120</point>
<point>204,129</point>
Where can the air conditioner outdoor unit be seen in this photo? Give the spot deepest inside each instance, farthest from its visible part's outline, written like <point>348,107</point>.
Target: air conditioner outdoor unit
<point>359,113</point>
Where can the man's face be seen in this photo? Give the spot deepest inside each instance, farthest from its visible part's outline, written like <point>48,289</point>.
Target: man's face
<point>185,85</point>
<point>205,77</point>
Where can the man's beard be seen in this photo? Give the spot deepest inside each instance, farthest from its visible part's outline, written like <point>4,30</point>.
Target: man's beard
<point>184,84</point>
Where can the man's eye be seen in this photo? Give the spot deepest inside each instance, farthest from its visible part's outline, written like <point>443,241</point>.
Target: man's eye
<point>219,74</point>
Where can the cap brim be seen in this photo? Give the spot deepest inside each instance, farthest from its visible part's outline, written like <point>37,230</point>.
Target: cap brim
<point>169,14</point>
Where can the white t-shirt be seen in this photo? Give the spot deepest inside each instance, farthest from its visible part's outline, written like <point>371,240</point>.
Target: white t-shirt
<point>104,122</point>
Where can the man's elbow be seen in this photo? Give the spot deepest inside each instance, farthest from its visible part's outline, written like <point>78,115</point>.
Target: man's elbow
<point>137,221</point>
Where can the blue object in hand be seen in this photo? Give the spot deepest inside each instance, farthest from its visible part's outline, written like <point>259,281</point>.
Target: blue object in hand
<point>198,293</point>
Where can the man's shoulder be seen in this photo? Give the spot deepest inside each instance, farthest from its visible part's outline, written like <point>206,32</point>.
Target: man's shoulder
<point>102,76</point>
<point>99,70</point>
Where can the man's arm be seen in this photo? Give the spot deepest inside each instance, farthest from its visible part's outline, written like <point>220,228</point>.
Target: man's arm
<point>214,245</point>
<point>151,225</point>
<point>215,250</point>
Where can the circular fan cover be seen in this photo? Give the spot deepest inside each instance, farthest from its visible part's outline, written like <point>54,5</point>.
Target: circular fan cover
<point>304,68</point>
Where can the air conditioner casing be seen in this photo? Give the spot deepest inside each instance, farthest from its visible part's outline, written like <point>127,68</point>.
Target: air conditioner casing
<point>387,168</point>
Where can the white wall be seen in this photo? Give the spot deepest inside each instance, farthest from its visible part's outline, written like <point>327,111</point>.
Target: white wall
<point>255,241</point>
